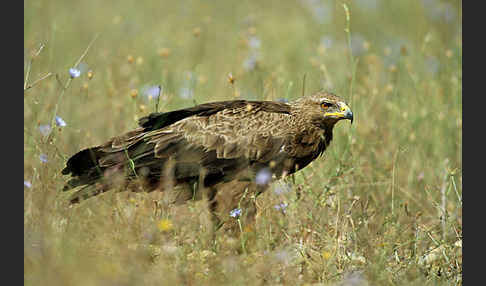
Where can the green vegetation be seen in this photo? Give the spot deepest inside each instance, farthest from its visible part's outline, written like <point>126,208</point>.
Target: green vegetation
<point>382,207</point>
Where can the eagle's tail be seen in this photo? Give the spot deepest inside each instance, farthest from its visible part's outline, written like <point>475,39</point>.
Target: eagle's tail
<point>83,167</point>
<point>85,193</point>
<point>100,168</point>
<point>86,171</point>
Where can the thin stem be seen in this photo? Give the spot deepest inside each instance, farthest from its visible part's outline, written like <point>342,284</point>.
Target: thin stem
<point>65,87</point>
<point>29,66</point>
<point>289,87</point>
<point>393,183</point>
<point>158,99</point>
<point>37,81</point>
<point>86,51</point>
<point>303,85</point>
<point>131,163</point>
<point>459,198</point>
<point>242,239</point>
<point>27,74</point>
<point>354,64</point>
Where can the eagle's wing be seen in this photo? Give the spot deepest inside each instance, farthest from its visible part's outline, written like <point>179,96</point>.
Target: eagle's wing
<point>223,141</point>
<point>218,139</point>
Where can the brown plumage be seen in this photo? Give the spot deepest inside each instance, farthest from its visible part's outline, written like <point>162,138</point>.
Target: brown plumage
<point>213,150</point>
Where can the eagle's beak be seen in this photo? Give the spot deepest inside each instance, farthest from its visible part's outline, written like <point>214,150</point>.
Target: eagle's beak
<point>344,113</point>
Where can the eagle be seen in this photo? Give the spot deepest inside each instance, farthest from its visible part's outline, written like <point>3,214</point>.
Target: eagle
<point>227,152</point>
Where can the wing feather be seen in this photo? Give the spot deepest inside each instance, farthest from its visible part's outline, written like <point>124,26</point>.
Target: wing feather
<point>221,138</point>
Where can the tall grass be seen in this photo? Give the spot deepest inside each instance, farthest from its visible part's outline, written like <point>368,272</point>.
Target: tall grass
<point>384,205</point>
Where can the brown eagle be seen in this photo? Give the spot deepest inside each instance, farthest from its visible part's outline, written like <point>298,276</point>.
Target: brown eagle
<point>227,151</point>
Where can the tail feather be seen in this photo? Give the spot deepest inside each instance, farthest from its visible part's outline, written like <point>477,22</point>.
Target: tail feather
<point>96,164</point>
<point>85,193</point>
<point>76,182</point>
<point>130,157</point>
<point>82,162</point>
<point>83,167</point>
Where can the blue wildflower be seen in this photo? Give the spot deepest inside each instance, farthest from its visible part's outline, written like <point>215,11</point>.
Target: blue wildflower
<point>60,122</point>
<point>186,93</point>
<point>357,45</point>
<point>322,12</point>
<point>45,129</point>
<point>327,42</point>
<point>432,65</point>
<point>281,207</point>
<point>27,184</point>
<point>73,72</point>
<point>368,5</point>
<point>393,50</point>
<point>78,70</point>
<point>43,158</point>
<point>283,256</point>
<point>263,177</point>
<point>151,91</point>
<point>438,11</point>
<point>251,61</point>
<point>235,213</point>
<point>254,42</point>
<point>187,90</point>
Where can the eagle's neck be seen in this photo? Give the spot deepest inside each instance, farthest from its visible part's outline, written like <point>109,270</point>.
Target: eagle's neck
<point>326,138</point>
<point>310,152</point>
<point>323,143</point>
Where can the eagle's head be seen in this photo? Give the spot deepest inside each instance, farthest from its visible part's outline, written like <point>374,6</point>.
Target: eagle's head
<point>323,109</point>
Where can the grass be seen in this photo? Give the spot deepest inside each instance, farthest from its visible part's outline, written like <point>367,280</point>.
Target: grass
<point>382,207</point>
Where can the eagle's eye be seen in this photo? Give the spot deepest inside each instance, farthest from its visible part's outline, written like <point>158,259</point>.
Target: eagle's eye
<point>325,105</point>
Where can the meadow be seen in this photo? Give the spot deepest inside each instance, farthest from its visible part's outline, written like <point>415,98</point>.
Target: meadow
<point>383,206</point>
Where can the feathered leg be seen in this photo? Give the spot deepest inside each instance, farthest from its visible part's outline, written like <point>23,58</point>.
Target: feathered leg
<point>234,201</point>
